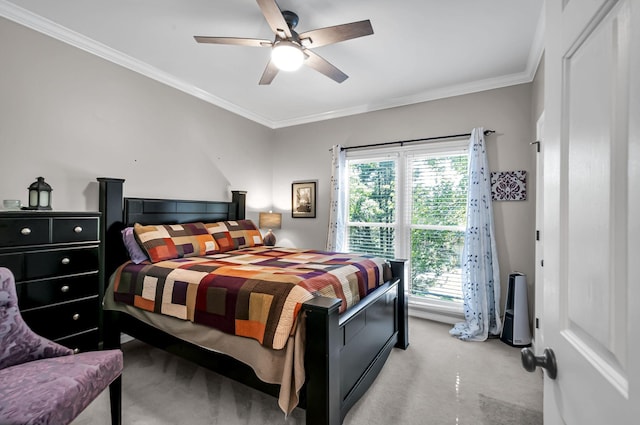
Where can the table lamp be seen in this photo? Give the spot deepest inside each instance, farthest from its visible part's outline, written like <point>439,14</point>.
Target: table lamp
<point>270,220</point>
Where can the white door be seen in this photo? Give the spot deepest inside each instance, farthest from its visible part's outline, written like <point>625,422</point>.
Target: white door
<point>592,211</point>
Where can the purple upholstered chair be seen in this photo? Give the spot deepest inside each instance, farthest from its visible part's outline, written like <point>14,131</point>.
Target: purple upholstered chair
<point>42,382</point>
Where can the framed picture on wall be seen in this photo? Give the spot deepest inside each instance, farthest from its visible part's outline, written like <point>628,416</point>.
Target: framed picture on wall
<point>303,200</point>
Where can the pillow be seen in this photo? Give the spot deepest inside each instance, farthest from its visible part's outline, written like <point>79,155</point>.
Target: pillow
<point>169,241</point>
<point>234,234</point>
<point>136,253</point>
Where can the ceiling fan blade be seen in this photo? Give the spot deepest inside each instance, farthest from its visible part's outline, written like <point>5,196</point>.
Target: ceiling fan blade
<point>269,74</point>
<point>330,35</point>
<point>273,15</point>
<point>321,65</point>
<point>252,42</point>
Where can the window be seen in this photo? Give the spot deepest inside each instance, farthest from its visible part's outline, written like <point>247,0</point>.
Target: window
<point>437,189</point>
<point>372,198</point>
<point>412,204</point>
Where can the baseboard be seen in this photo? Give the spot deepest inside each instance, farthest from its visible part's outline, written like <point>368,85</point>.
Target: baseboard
<point>124,338</point>
<point>436,311</point>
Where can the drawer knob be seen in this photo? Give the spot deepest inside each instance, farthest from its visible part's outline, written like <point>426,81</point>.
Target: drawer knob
<point>77,229</point>
<point>76,316</point>
<point>65,289</point>
<point>76,350</point>
<point>65,260</point>
<point>25,231</point>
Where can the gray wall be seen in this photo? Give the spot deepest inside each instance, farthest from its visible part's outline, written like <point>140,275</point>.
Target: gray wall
<point>71,117</point>
<point>302,153</point>
<point>537,92</point>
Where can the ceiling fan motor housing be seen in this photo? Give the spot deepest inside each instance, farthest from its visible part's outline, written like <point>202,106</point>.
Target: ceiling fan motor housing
<point>290,18</point>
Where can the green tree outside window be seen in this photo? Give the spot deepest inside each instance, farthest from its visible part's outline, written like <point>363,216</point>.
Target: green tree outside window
<point>437,190</point>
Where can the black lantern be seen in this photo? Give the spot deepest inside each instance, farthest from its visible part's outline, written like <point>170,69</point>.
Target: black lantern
<point>39,195</point>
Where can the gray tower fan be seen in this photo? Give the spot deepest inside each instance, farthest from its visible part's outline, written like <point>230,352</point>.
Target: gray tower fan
<point>515,327</point>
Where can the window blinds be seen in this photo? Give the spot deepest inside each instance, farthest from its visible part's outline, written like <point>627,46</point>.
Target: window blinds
<point>372,206</point>
<point>412,204</point>
<point>437,186</point>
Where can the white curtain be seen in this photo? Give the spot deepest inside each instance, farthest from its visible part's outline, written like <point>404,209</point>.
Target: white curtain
<point>480,271</point>
<point>338,202</point>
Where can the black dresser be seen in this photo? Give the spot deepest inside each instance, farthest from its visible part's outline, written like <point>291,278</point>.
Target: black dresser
<point>54,257</point>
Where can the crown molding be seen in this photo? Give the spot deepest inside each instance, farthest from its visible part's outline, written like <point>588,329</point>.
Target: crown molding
<point>426,96</point>
<point>56,31</point>
<point>537,45</point>
<point>526,76</point>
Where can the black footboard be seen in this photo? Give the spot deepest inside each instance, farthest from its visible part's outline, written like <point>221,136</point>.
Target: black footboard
<point>344,354</point>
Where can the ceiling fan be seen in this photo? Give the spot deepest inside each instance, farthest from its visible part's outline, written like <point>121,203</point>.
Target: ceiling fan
<point>290,50</point>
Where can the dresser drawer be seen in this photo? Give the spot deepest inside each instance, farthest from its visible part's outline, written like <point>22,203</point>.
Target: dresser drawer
<point>62,320</point>
<point>13,262</point>
<point>24,231</point>
<point>53,291</point>
<point>60,262</point>
<point>54,257</point>
<point>83,342</point>
<point>75,230</point>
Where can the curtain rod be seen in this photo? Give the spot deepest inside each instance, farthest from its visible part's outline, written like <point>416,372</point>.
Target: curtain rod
<point>426,139</point>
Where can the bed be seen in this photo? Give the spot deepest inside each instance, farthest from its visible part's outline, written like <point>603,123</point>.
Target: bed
<point>328,361</point>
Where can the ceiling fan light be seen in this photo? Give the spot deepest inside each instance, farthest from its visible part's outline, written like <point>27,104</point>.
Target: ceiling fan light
<point>287,56</point>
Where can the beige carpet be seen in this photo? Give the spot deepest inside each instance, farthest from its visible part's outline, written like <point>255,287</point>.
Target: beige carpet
<point>437,380</point>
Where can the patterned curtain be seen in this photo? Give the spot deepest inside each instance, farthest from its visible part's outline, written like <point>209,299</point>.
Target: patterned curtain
<point>480,271</point>
<point>338,202</point>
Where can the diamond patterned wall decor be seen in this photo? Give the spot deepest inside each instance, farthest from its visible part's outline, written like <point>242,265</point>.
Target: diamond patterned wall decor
<point>509,185</point>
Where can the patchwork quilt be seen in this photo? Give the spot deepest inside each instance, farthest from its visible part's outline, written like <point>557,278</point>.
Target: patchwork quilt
<point>255,292</point>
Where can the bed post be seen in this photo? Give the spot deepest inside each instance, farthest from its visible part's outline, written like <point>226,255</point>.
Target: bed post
<point>110,204</point>
<point>323,351</point>
<point>398,271</point>
<point>239,197</point>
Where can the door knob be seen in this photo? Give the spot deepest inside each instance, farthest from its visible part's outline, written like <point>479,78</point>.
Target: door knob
<point>546,361</point>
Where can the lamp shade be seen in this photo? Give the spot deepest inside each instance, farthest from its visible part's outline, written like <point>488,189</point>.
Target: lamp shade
<point>270,220</point>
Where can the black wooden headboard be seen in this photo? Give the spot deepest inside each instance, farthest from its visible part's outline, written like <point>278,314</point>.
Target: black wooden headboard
<point>119,212</point>
<point>170,211</point>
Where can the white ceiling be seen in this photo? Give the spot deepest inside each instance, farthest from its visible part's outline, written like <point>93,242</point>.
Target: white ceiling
<point>420,50</point>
